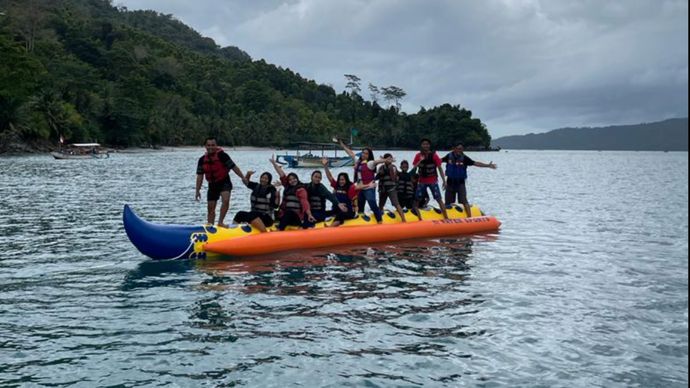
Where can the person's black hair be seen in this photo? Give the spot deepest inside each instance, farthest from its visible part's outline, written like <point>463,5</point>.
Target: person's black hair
<point>348,183</point>
<point>316,172</point>
<point>371,154</point>
<point>270,177</point>
<point>405,162</point>
<point>295,175</point>
<point>210,138</point>
<point>459,144</point>
<point>386,156</point>
<point>431,145</point>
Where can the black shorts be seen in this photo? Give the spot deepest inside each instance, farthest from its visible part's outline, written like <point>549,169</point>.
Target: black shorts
<point>215,188</point>
<point>406,203</point>
<point>456,190</point>
<point>248,217</point>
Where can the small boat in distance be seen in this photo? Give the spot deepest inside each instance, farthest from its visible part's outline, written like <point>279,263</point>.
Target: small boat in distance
<point>82,151</point>
<point>313,160</point>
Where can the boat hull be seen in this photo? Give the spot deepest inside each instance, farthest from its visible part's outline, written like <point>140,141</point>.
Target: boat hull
<point>267,243</point>
<point>169,242</point>
<point>313,162</point>
<point>64,156</point>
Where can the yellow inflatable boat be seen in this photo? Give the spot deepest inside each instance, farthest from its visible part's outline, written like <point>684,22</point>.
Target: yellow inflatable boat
<point>169,242</point>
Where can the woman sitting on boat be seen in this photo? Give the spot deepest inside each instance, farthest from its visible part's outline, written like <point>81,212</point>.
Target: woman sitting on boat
<point>365,172</point>
<point>347,193</point>
<point>264,201</point>
<point>318,195</point>
<point>295,208</point>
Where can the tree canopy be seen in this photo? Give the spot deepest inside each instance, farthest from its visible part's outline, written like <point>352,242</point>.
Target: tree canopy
<point>89,71</point>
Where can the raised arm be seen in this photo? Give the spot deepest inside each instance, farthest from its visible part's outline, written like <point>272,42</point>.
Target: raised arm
<point>348,151</point>
<point>379,161</point>
<point>247,177</point>
<point>277,167</point>
<point>329,175</point>
<point>383,160</point>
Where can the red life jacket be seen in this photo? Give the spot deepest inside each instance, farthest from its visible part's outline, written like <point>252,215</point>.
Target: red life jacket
<point>363,172</point>
<point>214,169</point>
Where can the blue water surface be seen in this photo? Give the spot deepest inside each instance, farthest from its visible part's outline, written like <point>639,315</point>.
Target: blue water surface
<point>585,285</point>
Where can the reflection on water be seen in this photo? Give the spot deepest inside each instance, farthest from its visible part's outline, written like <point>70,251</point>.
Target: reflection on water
<point>417,288</point>
<point>419,257</point>
<point>150,274</point>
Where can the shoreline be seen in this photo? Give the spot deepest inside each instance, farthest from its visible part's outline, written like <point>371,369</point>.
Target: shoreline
<point>134,150</point>
<point>140,150</point>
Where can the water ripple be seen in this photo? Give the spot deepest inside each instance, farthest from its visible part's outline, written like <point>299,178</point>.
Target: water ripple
<point>586,284</point>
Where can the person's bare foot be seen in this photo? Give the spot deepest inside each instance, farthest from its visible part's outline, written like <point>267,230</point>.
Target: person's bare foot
<point>222,225</point>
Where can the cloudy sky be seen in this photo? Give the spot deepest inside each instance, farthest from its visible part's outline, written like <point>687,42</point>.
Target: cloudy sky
<point>519,65</point>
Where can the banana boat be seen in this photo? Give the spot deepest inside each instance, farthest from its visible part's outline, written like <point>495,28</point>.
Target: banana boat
<point>171,242</point>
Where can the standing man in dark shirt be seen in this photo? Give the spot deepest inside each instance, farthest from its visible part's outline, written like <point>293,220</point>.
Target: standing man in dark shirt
<point>456,171</point>
<point>215,165</point>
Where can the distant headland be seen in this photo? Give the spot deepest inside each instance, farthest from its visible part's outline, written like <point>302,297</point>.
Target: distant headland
<point>667,135</point>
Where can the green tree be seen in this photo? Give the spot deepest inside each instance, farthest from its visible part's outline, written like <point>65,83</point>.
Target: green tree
<point>393,94</point>
<point>91,71</point>
<point>19,77</point>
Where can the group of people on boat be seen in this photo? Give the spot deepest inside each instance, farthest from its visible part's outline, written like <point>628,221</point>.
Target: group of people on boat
<point>306,204</point>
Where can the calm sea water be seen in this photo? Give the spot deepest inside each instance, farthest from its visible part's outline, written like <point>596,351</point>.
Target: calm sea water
<point>585,285</point>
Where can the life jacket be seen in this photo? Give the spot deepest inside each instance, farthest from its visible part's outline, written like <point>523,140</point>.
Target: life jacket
<point>261,200</point>
<point>386,182</point>
<point>406,189</point>
<point>316,200</point>
<point>214,169</point>
<point>427,167</point>
<point>291,200</point>
<point>363,172</point>
<point>343,195</point>
<point>456,168</point>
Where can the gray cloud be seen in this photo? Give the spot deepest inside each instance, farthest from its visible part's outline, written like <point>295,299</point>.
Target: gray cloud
<point>519,65</point>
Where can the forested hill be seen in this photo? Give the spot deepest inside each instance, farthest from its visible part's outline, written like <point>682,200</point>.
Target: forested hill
<point>88,71</point>
<point>667,135</point>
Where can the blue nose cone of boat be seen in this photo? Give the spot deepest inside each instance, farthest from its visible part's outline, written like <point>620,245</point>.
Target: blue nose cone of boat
<point>159,242</point>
